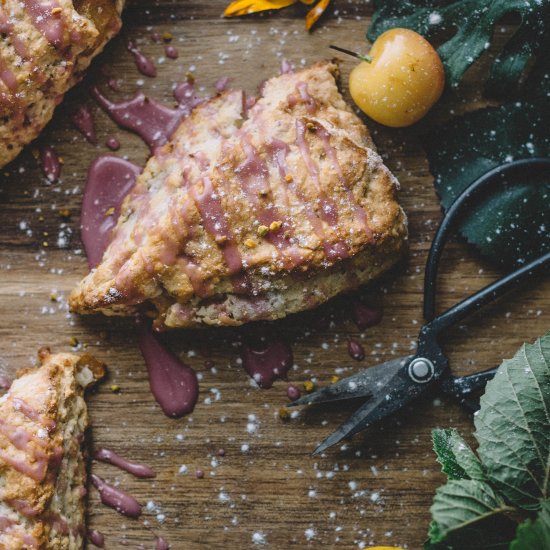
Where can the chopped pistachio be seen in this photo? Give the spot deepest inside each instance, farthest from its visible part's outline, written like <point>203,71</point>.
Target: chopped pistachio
<point>263,230</point>
<point>334,379</point>
<point>250,243</point>
<point>73,341</point>
<point>309,386</point>
<point>273,226</point>
<point>110,211</point>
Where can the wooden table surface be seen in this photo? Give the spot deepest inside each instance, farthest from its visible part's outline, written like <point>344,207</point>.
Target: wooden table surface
<point>376,489</point>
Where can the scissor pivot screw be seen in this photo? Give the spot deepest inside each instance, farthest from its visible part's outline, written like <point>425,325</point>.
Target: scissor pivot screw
<point>421,370</point>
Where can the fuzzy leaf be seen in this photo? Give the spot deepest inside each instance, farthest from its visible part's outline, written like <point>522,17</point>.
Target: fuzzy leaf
<point>534,535</point>
<point>513,426</point>
<point>457,460</point>
<point>509,226</point>
<point>474,22</point>
<point>469,514</point>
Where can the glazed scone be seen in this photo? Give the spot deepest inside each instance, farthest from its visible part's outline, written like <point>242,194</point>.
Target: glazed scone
<point>252,212</point>
<point>43,417</point>
<point>44,49</point>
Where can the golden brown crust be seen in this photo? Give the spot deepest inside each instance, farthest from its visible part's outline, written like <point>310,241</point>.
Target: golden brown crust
<point>43,52</point>
<point>42,473</point>
<point>253,215</point>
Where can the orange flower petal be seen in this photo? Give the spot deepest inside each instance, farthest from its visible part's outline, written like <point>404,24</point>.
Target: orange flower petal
<point>244,7</point>
<point>316,12</point>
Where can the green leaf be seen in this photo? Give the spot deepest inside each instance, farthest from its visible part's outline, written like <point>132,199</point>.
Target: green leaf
<point>534,535</point>
<point>457,460</point>
<point>472,24</point>
<point>510,226</point>
<point>469,514</point>
<point>513,426</point>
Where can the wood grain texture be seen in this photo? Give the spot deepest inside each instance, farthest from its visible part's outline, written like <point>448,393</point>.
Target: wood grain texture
<point>376,489</point>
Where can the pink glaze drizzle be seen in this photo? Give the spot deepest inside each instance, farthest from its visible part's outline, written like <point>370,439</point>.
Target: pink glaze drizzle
<point>286,67</point>
<point>137,470</point>
<point>173,383</point>
<point>150,120</point>
<point>222,83</point>
<point>50,24</point>
<point>212,213</point>
<point>269,363</point>
<point>24,408</point>
<point>110,178</point>
<point>49,161</point>
<point>117,499</point>
<point>143,63</point>
<point>84,122</point>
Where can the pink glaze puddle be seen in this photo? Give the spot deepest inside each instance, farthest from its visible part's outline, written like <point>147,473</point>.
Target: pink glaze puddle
<point>5,382</point>
<point>355,350</point>
<point>364,316</point>
<point>109,180</point>
<point>269,363</point>
<point>113,143</point>
<point>143,63</point>
<point>173,383</point>
<point>137,470</point>
<point>84,122</point>
<point>171,52</point>
<point>49,162</point>
<point>162,544</point>
<point>97,538</point>
<point>117,499</point>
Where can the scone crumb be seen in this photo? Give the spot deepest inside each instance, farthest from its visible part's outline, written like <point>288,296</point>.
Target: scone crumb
<point>284,413</point>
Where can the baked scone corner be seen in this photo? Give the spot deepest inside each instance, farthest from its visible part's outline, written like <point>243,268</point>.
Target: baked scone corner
<point>43,418</point>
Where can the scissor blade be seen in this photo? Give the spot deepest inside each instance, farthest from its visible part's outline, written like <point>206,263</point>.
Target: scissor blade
<point>365,383</point>
<point>399,390</point>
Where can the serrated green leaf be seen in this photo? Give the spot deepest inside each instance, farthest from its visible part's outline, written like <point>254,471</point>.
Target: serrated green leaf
<point>534,535</point>
<point>457,460</point>
<point>469,514</point>
<point>474,22</point>
<point>510,226</point>
<point>513,426</point>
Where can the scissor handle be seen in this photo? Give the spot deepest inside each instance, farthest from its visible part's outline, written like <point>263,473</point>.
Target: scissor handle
<point>513,170</point>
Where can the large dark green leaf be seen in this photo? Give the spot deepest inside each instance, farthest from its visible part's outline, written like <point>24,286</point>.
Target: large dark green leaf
<point>534,535</point>
<point>511,225</point>
<point>472,24</point>
<point>469,514</point>
<point>457,460</point>
<point>513,426</point>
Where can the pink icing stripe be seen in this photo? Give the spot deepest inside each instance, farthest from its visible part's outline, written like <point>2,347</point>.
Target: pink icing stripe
<point>215,222</point>
<point>36,471</point>
<point>331,154</point>
<point>50,24</point>
<point>32,414</point>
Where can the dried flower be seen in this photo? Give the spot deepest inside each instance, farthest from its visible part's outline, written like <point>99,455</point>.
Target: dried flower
<point>245,7</point>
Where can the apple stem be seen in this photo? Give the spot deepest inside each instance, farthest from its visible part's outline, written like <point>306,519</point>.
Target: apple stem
<point>366,58</point>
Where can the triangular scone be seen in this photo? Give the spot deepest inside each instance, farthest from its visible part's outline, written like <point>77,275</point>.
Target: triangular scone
<point>252,211</point>
<point>43,417</point>
<point>44,49</point>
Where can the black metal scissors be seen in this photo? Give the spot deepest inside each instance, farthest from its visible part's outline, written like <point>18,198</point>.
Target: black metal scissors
<point>393,384</point>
